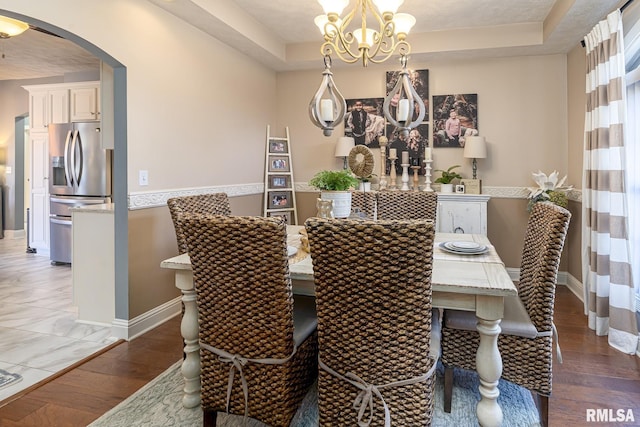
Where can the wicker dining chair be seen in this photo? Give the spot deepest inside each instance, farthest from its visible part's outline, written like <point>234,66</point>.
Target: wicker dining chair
<point>373,297</point>
<point>364,202</point>
<point>528,332</point>
<point>214,204</point>
<point>256,344</point>
<point>407,204</point>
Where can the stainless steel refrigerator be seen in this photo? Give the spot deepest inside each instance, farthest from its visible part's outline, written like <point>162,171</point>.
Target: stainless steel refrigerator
<point>79,175</point>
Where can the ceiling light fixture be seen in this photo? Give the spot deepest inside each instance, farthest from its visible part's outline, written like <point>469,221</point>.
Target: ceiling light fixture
<point>402,104</point>
<point>353,43</point>
<point>10,27</point>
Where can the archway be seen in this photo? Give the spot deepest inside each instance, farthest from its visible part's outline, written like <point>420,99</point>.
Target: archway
<point>119,180</point>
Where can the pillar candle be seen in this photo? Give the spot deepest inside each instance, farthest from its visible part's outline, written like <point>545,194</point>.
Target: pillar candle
<point>326,110</point>
<point>393,153</point>
<point>403,110</point>
<point>405,157</point>
<point>427,153</point>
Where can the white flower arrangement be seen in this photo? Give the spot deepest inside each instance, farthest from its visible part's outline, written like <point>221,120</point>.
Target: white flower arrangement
<point>549,189</point>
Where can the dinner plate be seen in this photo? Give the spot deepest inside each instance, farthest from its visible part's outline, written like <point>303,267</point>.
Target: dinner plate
<point>466,245</point>
<point>453,250</point>
<point>453,247</point>
<point>291,250</point>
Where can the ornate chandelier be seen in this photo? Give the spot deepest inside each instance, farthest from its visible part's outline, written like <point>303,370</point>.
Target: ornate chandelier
<point>402,104</point>
<point>352,43</point>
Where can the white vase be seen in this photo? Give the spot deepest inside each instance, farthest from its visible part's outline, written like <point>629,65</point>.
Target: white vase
<point>446,188</point>
<point>364,186</point>
<point>341,202</point>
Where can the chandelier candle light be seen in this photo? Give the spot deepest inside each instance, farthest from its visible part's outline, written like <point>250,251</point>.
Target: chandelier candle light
<point>352,43</point>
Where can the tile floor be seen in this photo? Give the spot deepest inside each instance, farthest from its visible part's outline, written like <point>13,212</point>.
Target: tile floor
<point>39,335</point>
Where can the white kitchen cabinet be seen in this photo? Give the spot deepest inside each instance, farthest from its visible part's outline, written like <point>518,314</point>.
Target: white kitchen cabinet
<point>462,213</point>
<point>52,103</point>
<point>39,211</point>
<point>85,103</point>
<point>48,106</point>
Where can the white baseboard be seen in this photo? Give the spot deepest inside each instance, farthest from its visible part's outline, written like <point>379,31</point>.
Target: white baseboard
<point>14,234</point>
<point>130,329</point>
<point>576,287</point>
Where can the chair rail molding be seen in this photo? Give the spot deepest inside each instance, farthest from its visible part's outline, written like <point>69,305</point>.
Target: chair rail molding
<point>154,199</point>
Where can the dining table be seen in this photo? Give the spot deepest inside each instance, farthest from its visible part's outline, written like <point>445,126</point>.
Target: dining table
<point>459,280</point>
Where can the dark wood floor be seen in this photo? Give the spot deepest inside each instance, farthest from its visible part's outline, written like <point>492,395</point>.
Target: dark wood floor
<point>593,376</point>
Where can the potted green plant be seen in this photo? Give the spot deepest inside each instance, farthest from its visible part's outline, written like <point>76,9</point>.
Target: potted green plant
<point>365,182</point>
<point>335,185</point>
<point>446,178</point>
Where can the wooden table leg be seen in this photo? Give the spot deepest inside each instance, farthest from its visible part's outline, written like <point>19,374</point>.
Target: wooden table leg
<point>489,312</point>
<point>189,330</point>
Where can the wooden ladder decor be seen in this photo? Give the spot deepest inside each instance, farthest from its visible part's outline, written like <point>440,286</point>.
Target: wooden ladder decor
<point>279,188</point>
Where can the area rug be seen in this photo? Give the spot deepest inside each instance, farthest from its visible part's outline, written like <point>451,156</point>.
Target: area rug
<point>159,404</point>
<point>8,378</point>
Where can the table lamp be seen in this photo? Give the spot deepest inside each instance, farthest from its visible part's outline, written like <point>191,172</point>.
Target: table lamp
<point>343,147</point>
<point>475,147</point>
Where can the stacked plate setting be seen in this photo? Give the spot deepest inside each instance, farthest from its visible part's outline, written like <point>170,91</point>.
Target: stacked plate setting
<point>464,248</point>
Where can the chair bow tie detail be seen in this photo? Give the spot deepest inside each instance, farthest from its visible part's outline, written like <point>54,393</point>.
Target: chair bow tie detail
<point>368,392</point>
<point>236,363</point>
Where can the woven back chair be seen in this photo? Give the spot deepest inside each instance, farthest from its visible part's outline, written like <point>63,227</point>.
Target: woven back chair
<point>373,296</point>
<point>250,329</point>
<point>212,204</point>
<point>365,202</point>
<point>528,332</point>
<point>407,204</point>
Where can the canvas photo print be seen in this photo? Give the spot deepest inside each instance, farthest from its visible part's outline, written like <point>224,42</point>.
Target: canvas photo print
<point>454,118</point>
<point>416,143</point>
<point>364,121</point>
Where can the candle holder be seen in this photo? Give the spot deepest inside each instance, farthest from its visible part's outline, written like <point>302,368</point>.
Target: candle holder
<point>415,177</point>
<point>383,164</point>
<point>392,174</point>
<point>405,177</point>
<point>427,175</point>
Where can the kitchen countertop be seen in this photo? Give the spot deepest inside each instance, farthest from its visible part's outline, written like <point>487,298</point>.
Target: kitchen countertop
<point>103,208</point>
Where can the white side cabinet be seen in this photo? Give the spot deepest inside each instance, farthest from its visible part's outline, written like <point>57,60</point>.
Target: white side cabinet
<point>462,213</point>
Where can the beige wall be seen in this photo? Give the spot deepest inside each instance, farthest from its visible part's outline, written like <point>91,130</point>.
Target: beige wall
<point>151,240</point>
<point>522,112</point>
<point>576,69</point>
<point>522,108</point>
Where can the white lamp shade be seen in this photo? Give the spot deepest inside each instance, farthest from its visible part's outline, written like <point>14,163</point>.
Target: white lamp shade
<point>475,147</point>
<point>388,5</point>
<point>369,36</point>
<point>333,6</point>
<point>344,146</point>
<point>11,27</point>
<point>403,23</point>
<point>322,20</point>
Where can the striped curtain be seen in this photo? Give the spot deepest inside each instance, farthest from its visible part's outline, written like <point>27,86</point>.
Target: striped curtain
<point>608,282</point>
